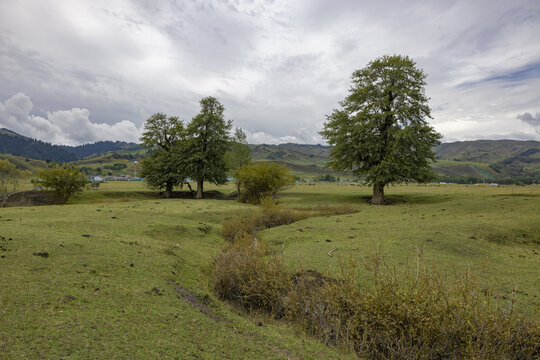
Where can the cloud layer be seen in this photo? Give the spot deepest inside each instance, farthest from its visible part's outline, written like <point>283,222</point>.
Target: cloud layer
<point>278,66</point>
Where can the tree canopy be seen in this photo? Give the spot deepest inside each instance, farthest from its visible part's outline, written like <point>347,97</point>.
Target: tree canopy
<point>63,180</point>
<point>380,131</point>
<point>207,142</point>
<point>165,138</point>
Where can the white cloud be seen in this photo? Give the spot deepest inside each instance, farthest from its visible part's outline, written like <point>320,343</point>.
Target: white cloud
<point>68,127</point>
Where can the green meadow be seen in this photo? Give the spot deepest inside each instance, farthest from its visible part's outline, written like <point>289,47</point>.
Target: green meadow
<point>121,273</point>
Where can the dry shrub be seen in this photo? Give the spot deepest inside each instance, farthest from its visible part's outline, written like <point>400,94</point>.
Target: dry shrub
<point>412,317</point>
<point>418,316</point>
<point>243,274</point>
<point>268,216</point>
<point>238,226</point>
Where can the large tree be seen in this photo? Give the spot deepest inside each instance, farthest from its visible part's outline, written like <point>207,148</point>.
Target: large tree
<point>208,141</point>
<point>164,137</point>
<point>380,131</point>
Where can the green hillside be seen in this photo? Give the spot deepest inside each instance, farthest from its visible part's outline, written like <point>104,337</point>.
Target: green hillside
<point>489,160</point>
<point>462,161</point>
<point>22,163</point>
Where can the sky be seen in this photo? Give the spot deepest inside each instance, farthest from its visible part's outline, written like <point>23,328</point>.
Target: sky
<point>74,72</point>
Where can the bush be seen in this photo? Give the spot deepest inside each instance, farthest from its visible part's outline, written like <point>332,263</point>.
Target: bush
<point>262,180</point>
<point>242,274</point>
<point>62,180</point>
<point>418,317</point>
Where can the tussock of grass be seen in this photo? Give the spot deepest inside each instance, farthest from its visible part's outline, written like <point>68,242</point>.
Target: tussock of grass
<point>243,275</point>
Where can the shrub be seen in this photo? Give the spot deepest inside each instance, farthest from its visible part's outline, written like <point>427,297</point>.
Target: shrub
<point>423,316</point>
<point>262,180</point>
<point>242,274</point>
<point>62,180</point>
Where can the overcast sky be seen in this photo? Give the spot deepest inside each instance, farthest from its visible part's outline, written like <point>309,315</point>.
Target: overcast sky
<point>73,72</point>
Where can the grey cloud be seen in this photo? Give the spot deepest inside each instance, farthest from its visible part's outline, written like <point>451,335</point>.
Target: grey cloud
<point>533,120</point>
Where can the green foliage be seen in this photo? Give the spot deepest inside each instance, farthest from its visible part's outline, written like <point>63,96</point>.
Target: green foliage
<point>239,153</point>
<point>207,142</point>
<point>380,132</point>
<point>162,132</point>
<point>163,170</point>
<point>165,167</point>
<point>63,180</point>
<point>262,180</point>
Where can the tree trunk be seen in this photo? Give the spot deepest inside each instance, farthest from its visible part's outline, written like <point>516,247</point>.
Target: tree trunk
<point>238,190</point>
<point>378,194</point>
<point>168,191</point>
<point>199,189</point>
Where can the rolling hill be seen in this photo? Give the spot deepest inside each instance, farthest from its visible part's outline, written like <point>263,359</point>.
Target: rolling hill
<point>481,160</point>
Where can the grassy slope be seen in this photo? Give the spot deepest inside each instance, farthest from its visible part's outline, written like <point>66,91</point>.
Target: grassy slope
<point>454,226</point>
<point>21,163</point>
<point>86,300</point>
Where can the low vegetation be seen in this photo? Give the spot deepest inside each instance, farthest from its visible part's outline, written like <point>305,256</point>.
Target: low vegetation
<point>375,311</point>
<point>263,180</point>
<point>62,180</point>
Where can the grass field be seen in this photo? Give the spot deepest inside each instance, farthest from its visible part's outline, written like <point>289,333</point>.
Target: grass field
<point>120,273</point>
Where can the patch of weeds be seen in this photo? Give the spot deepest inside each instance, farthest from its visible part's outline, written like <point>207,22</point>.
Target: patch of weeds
<point>525,235</point>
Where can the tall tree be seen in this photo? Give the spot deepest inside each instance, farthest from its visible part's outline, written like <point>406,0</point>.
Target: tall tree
<point>164,137</point>
<point>380,132</point>
<point>238,155</point>
<point>208,141</point>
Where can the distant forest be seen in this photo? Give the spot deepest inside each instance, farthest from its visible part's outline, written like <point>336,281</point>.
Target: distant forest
<point>14,144</point>
<point>18,145</point>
